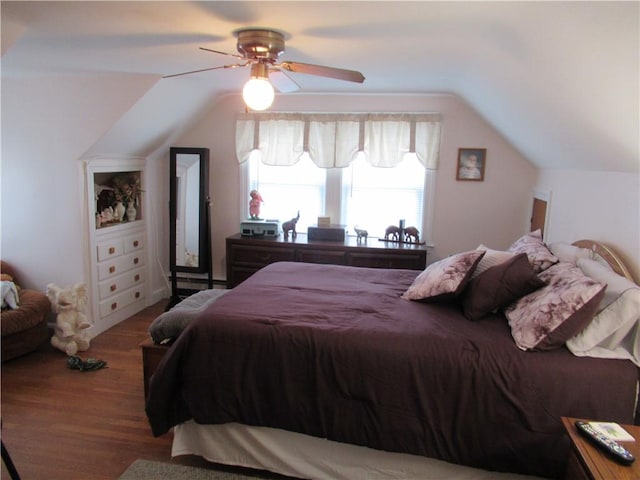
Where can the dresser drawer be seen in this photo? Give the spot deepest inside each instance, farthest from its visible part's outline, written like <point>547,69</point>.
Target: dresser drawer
<point>238,275</point>
<point>332,257</point>
<point>120,265</point>
<point>133,243</point>
<point>259,256</point>
<point>120,283</point>
<point>121,300</point>
<point>109,250</point>
<point>246,255</point>
<point>408,260</point>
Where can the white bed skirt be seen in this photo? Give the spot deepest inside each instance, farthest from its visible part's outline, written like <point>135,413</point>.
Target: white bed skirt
<point>307,457</point>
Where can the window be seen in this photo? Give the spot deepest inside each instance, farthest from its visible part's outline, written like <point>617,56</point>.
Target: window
<point>287,190</point>
<point>365,170</point>
<point>374,198</point>
<point>365,196</point>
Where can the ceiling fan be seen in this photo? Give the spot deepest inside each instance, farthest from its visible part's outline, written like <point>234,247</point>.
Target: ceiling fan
<point>260,48</point>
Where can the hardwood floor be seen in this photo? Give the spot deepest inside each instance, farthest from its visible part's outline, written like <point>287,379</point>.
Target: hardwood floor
<point>59,423</point>
<point>66,424</point>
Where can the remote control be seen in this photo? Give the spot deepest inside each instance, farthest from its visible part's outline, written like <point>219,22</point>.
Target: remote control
<point>613,448</point>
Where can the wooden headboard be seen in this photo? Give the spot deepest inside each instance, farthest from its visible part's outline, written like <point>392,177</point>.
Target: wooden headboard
<point>607,255</point>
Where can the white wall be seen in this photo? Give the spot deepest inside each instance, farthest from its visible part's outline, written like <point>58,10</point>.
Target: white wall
<point>602,206</point>
<point>48,123</point>
<point>493,212</point>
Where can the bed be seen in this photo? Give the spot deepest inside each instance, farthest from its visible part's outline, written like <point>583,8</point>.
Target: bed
<point>325,371</point>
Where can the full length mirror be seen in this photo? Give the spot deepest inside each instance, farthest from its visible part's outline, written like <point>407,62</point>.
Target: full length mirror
<point>189,202</point>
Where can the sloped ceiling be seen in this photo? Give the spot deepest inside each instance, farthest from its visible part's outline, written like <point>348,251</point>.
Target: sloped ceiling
<point>559,80</point>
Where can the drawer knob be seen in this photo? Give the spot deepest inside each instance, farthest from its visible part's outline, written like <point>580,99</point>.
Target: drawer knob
<point>135,261</point>
<point>137,278</point>
<point>137,295</point>
<point>113,287</point>
<point>112,250</point>
<point>135,243</point>
<point>114,305</point>
<point>112,269</point>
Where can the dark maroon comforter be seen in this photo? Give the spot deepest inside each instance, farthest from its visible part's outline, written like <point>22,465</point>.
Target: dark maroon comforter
<point>334,352</point>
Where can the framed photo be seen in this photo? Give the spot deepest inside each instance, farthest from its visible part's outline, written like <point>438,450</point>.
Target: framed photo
<point>471,163</point>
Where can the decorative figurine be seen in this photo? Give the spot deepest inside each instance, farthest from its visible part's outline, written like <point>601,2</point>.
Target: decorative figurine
<point>290,225</point>
<point>411,235</point>
<point>254,204</point>
<point>68,303</point>
<point>392,233</point>
<point>362,234</point>
<point>402,234</point>
<point>106,215</point>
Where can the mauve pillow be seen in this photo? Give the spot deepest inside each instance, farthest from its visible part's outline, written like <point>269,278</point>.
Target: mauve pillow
<point>445,279</point>
<point>498,286</point>
<point>539,255</point>
<point>546,318</point>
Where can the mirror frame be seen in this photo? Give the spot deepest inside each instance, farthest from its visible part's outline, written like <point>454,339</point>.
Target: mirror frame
<point>203,216</point>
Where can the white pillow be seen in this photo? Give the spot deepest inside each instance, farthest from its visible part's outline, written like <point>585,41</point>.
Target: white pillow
<point>491,259</point>
<point>614,332</point>
<point>569,253</point>
<point>616,284</point>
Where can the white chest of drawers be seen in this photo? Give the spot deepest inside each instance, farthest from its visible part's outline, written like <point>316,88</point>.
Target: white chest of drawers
<point>121,266</point>
<point>118,253</point>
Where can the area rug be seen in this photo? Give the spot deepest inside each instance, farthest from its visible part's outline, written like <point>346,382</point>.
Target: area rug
<point>149,470</point>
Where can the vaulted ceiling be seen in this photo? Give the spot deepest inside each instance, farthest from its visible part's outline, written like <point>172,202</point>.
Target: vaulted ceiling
<point>559,80</point>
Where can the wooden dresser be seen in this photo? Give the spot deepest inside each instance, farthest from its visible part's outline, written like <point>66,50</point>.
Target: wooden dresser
<point>247,255</point>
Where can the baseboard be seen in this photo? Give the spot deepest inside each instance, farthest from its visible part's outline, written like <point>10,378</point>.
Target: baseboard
<point>158,295</point>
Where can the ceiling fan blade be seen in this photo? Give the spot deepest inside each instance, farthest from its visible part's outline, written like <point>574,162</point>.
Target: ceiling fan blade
<point>222,53</point>
<point>206,70</point>
<point>282,82</point>
<point>339,73</point>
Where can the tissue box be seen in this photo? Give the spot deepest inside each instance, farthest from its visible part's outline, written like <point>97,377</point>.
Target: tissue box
<point>330,233</point>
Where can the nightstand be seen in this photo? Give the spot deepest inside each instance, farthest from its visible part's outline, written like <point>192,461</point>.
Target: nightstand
<point>588,462</point>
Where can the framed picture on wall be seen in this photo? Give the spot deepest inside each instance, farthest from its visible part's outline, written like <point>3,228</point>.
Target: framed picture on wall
<point>471,164</point>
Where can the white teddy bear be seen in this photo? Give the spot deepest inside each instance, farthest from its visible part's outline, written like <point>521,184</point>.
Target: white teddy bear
<point>69,303</point>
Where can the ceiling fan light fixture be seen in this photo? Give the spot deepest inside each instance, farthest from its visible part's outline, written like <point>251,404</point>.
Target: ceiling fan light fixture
<point>258,93</point>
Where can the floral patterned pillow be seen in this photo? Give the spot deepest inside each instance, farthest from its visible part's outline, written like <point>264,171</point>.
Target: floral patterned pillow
<point>539,255</point>
<point>548,317</point>
<point>445,279</point>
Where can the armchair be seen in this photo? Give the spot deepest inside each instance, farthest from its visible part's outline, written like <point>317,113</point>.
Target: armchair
<point>23,329</point>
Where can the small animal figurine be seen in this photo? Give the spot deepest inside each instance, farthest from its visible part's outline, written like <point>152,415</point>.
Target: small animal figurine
<point>411,235</point>
<point>392,233</point>
<point>254,204</point>
<point>362,234</point>
<point>290,226</point>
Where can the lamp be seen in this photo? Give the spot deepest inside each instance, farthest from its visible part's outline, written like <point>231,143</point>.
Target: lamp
<point>258,92</point>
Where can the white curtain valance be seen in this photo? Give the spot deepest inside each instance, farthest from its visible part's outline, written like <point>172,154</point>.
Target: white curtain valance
<point>334,140</point>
